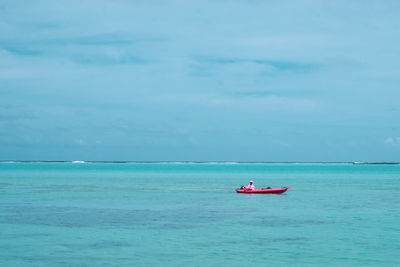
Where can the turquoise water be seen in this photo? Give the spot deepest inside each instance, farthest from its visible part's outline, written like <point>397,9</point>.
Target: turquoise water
<point>189,215</point>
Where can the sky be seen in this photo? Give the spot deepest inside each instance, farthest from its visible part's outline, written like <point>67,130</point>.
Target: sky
<point>222,80</point>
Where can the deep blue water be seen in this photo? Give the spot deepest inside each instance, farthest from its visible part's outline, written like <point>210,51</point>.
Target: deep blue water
<point>189,215</point>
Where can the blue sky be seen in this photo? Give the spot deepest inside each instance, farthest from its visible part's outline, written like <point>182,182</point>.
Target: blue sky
<point>200,80</point>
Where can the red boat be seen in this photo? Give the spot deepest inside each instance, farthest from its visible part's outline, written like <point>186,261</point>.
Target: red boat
<point>263,190</point>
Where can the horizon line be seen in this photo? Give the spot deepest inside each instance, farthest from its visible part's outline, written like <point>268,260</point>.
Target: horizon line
<point>201,162</point>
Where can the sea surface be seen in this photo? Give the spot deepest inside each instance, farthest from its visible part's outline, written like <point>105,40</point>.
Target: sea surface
<point>175,214</point>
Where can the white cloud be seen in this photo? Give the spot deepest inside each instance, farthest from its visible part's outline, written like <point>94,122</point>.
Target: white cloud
<point>80,142</point>
<point>389,140</point>
<point>393,140</point>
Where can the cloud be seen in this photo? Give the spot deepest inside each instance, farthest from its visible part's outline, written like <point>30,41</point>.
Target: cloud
<point>15,113</point>
<point>103,39</point>
<point>80,142</point>
<point>395,141</point>
<point>283,92</point>
<point>101,49</point>
<point>243,66</point>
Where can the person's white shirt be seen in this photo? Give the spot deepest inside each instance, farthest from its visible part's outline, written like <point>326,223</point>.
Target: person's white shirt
<point>250,186</point>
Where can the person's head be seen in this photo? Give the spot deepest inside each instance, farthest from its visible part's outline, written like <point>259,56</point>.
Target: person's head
<point>251,182</point>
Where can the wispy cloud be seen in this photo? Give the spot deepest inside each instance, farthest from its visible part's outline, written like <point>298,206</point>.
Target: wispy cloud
<point>105,49</point>
<point>282,92</point>
<point>207,65</point>
<point>85,40</point>
<point>278,65</point>
<point>107,59</point>
<point>15,113</point>
<point>395,141</point>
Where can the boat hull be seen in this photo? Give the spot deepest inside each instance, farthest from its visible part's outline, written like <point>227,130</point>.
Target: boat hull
<point>263,191</point>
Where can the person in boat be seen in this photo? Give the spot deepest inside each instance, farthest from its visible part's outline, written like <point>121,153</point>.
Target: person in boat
<point>250,186</point>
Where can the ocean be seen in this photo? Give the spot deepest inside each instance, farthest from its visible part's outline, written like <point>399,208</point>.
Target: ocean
<point>188,214</point>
